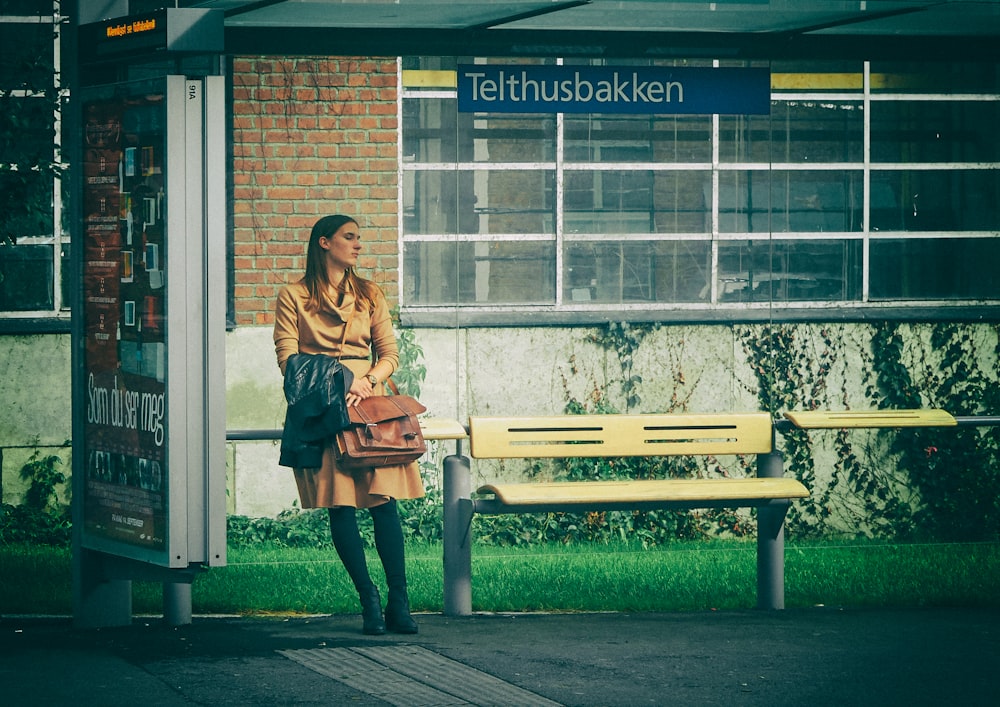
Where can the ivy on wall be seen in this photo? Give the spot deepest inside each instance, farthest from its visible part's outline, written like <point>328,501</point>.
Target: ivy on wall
<point>939,483</point>
<point>955,470</point>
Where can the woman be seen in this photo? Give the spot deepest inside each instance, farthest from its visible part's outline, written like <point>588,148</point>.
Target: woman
<point>333,311</point>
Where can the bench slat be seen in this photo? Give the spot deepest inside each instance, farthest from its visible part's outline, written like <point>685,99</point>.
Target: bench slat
<point>620,435</point>
<point>637,494</point>
<point>845,419</point>
<point>442,428</point>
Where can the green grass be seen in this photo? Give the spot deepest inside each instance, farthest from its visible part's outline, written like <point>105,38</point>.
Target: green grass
<point>681,577</point>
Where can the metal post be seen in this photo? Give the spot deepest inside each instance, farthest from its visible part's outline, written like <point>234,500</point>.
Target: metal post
<point>457,536</point>
<point>771,540</point>
<point>177,603</point>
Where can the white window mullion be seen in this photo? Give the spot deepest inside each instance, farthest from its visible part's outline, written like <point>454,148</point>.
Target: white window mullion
<point>559,199</point>
<point>866,181</point>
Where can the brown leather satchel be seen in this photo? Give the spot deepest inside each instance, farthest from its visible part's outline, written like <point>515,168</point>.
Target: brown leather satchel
<point>384,431</point>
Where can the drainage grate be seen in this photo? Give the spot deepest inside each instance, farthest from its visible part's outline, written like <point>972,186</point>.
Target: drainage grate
<point>411,675</point>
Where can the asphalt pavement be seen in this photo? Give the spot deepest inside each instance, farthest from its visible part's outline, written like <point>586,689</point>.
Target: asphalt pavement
<point>818,656</point>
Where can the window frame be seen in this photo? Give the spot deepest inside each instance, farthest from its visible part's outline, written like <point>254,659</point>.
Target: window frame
<point>563,310</point>
<point>57,317</point>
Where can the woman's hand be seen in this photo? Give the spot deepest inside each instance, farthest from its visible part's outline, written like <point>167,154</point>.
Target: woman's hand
<point>361,388</point>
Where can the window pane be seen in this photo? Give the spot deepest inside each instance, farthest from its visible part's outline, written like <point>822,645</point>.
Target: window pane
<point>480,201</point>
<point>612,138</point>
<point>620,201</point>
<point>789,271</point>
<point>507,138</point>
<point>26,278</point>
<point>796,131</point>
<point>434,131</point>
<point>934,77</point>
<point>36,8</point>
<point>651,271</point>
<point>939,268</point>
<point>483,272</point>
<point>935,200</point>
<point>32,120</point>
<point>26,198</point>
<point>430,129</point>
<point>27,178</point>
<point>931,131</point>
<point>26,59</point>
<point>782,201</point>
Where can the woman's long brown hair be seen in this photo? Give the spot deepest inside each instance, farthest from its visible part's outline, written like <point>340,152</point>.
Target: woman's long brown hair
<point>317,279</point>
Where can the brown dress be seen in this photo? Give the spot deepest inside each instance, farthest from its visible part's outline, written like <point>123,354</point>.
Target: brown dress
<point>298,330</point>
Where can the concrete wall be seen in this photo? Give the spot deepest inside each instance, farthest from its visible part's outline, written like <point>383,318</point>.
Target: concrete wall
<point>35,406</point>
<point>497,371</point>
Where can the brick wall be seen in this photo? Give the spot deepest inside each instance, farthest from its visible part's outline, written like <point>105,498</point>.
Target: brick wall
<point>311,137</point>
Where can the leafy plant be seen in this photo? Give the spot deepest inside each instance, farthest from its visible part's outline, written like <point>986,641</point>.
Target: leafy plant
<point>43,475</point>
<point>41,519</point>
<point>410,374</point>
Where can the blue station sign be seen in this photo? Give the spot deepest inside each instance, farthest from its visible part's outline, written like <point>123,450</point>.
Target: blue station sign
<point>608,89</point>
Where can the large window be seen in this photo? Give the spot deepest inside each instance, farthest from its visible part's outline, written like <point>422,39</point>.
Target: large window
<point>33,250</point>
<point>867,186</point>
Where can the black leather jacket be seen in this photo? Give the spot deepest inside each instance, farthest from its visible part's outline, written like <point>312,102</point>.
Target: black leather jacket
<point>316,388</point>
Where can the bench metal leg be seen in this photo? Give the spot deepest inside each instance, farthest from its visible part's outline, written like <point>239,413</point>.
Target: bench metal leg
<point>771,540</point>
<point>457,493</point>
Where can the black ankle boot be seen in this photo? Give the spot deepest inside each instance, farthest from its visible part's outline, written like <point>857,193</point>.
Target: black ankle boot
<point>397,613</point>
<point>372,621</point>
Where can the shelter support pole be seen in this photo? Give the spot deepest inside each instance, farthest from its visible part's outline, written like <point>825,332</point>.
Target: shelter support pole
<point>177,603</point>
<point>771,539</point>
<point>457,493</point>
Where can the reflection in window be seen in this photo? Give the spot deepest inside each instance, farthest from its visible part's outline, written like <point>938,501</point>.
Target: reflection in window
<point>30,165</point>
<point>627,201</point>
<point>796,131</point>
<point>483,272</point>
<point>784,201</point>
<point>637,271</point>
<point>480,202</point>
<point>789,270</point>
<point>627,138</point>
<point>434,131</point>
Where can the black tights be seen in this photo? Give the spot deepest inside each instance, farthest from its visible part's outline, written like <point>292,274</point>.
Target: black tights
<point>388,543</point>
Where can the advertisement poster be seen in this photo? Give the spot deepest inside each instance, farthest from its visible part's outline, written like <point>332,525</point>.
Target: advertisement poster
<point>124,265</point>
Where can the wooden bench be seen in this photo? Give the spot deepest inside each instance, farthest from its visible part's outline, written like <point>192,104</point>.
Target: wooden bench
<point>620,436</point>
<point>857,419</point>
